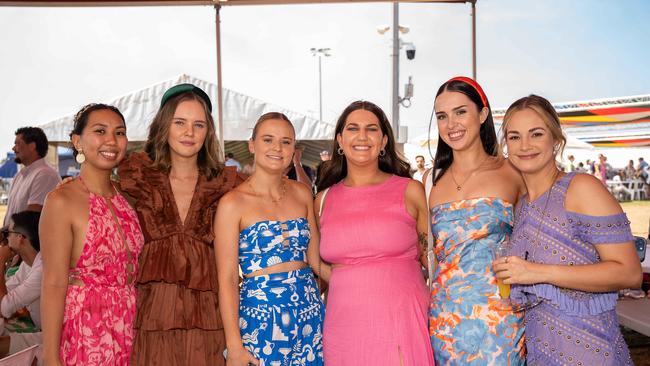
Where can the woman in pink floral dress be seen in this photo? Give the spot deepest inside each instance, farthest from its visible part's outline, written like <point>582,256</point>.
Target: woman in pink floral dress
<point>90,243</point>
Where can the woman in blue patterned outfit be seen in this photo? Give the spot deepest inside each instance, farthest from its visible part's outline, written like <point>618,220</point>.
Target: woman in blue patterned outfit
<point>266,227</point>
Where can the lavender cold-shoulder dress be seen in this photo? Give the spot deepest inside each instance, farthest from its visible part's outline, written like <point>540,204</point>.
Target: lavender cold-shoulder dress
<point>568,326</point>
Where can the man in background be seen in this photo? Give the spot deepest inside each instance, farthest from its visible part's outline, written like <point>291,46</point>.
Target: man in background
<point>297,171</point>
<point>33,182</point>
<point>23,288</point>
<point>419,168</point>
<point>571,166</point>
<point>230,161</point>
<point>324,156</point>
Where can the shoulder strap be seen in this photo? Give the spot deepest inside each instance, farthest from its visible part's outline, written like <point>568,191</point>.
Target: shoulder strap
<point>322,201</point>
<point>428,183</point>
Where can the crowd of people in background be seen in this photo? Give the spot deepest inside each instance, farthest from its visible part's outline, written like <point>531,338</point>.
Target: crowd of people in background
<point>185,259</point>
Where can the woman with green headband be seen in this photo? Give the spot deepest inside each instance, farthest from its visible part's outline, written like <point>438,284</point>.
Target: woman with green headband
<point>176,184</point>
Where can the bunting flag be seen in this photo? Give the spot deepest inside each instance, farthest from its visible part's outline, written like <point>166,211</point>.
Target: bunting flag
<point>611,122</point>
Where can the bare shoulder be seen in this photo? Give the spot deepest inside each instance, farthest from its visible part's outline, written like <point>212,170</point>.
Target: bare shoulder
<point>319,198</point>
<point>414,187</point>
<point>231,200</point>
<point>587,195</point>
<point>300,190</point>
<point>513,175</point>
<point>509,170</point>
<point>415,193</point>
<point>62,195</point>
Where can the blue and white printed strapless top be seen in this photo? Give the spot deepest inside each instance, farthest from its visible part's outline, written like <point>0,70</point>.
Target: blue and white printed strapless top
<point>270,242</point>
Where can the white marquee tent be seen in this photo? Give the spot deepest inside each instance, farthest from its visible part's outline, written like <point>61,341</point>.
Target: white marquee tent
<point>239,115</point>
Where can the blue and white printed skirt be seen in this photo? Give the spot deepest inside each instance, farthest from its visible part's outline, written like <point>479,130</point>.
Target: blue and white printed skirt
<point>281,318</point>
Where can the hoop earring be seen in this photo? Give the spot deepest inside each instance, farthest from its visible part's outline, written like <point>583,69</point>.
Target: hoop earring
<point>382,152</point>
<point>340,151</point>
<point>80,158</point>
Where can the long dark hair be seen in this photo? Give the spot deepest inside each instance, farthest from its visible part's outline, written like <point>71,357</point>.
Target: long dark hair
<point>81,119</point>
<point>391,162</point>
<point>444,154</point>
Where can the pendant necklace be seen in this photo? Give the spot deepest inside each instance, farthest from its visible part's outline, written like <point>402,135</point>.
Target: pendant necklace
<point>459,186</point>
<point>283,191</point>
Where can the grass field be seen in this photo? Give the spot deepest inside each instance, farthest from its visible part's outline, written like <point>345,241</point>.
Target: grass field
<point>639,214</point>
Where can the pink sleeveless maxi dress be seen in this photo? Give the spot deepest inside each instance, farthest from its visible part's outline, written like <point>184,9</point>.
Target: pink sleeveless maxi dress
<point>100,301</point>
<point>377,306</point>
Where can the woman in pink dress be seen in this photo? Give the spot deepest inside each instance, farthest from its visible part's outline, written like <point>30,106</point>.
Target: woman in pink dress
<point>373,231</point>
<point>90,241</point>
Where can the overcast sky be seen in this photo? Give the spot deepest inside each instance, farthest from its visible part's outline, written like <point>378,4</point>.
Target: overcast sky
<point>54,60</point>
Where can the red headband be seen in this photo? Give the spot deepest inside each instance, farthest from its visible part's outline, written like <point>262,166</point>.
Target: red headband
<point>474,85</point>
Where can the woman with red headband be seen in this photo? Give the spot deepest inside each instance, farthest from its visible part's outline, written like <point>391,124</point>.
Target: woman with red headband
<point>471,205</point>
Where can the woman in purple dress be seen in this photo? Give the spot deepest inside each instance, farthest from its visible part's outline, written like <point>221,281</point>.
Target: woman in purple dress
<point>571,248</point>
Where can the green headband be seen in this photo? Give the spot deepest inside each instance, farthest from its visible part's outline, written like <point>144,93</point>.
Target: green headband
<point>184,88</point>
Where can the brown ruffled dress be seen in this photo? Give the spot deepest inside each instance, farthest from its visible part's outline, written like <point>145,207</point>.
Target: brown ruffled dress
<point>177,320</point>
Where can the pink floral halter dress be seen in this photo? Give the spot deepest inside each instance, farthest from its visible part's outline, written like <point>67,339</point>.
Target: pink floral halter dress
<point>100,300</point>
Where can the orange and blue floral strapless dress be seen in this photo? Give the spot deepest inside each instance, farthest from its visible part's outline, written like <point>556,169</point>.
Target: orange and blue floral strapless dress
<point>466,325</point>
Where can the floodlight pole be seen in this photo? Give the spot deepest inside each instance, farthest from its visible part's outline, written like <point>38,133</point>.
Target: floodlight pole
<point>217,9</point>
<point>320,53</point>
<point>474,39</point>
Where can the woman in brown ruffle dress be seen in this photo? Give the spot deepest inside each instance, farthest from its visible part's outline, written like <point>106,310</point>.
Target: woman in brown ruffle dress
<point>175,185</point>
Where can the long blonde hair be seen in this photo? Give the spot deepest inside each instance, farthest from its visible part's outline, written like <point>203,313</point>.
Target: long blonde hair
<point>209,158</point>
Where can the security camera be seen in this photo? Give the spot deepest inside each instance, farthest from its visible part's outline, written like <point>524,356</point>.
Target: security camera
<point>410,51</point>
<point>383,29</point>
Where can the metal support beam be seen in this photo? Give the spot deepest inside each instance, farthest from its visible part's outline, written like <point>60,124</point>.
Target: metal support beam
<point>474,39</point>
<point>395,56</point>
<point>217,9</point>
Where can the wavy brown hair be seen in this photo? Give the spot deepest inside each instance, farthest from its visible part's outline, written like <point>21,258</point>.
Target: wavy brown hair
<point>209,158</point>
<point>392,162</point>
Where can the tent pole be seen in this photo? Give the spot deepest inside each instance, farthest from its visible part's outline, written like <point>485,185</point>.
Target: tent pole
<point>474,39</point>
<point>217,9</point>
<point>395,80</point>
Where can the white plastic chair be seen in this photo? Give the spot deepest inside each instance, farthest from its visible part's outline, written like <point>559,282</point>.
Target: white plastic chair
<point>25,357</point>
<point>637,189</point>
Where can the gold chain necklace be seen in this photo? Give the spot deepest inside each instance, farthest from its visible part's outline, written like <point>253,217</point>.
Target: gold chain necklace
<point>283,191</point>
<point>460,186</point>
